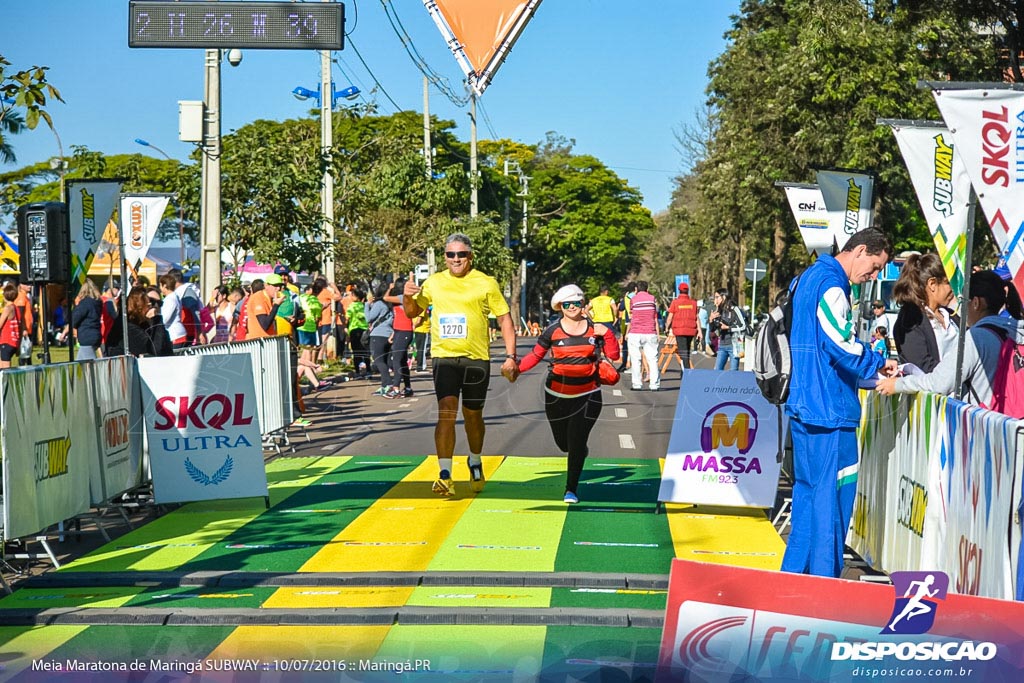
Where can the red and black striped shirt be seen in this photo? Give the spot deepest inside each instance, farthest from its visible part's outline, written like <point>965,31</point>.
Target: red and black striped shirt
<point>572,369</point>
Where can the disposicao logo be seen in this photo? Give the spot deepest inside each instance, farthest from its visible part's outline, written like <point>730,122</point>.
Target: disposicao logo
<point>918,596</point>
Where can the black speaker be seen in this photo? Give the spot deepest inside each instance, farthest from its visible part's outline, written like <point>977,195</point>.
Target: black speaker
<point>44,242</point>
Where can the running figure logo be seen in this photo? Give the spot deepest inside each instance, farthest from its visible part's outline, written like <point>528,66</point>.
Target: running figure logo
<point>914,612</point>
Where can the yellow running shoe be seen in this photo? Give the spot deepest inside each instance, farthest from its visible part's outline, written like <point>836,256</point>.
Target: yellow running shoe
<point>476,477</point>
<point>444,487</point>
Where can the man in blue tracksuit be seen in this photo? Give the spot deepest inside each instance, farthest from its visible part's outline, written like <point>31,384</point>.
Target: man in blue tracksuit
<point>828,362</point>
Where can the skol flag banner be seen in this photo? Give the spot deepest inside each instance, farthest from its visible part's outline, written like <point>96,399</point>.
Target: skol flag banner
<point>91,203</point>
<point>811,216</point>
<point>481,34</point>
<point>203,427</point>
<point>140,217</point>
<point>730,459</point>
<point>9,263</point>
<point>988,130</point>
<point>847,195</point>
<point>943,190</point>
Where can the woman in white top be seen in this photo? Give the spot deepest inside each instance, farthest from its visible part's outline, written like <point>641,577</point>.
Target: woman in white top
<point>925,331</point>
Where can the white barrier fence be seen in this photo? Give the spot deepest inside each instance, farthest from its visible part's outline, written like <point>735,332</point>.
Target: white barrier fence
<point>72,436</point>
<point>273,372</point>
<point>940,488</point>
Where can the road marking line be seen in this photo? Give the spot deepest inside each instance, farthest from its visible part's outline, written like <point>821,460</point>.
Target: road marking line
<point>626,441</point>
<point>616,392</point>
<point>620,412</point>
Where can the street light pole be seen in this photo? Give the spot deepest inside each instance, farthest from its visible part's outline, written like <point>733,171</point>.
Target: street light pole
<point>473,206</point>
<point>181,207</point>
<point>326,144</point>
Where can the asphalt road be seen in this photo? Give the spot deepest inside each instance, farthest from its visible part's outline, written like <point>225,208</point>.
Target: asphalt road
<point>350,420</point>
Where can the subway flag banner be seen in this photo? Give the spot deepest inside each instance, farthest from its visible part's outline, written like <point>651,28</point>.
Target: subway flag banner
<point>738,624</point>
<point>731,458</point>
<point>943,189</point>
<point>987,127</point>
<point>848,196</point>
<point>203,428</point>
<point>48,440</point>
<point>91,203</point>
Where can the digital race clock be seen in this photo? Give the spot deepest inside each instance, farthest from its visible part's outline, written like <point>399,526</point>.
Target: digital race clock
<point>259,25</point>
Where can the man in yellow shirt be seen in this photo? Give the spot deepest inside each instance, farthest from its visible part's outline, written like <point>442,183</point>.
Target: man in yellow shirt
<point>459,348</point>
<point>603,309</point>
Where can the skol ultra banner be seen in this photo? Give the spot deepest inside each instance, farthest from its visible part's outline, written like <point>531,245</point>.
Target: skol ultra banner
<point>91,203</point>
<point>848,197</point>
<point>202,427</point>
<point>808,207</point>
<point>48,442</point>
<point>140,217</point>
<point>943,189</point>
<point>988,130</point>
<point>724,441</point>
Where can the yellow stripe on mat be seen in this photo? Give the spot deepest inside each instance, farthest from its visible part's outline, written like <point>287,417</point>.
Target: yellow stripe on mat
<point>311,597</point>
<point>302,643</point>
<point>405,527</point>
<point>739,537</point>
<point>31,645</point>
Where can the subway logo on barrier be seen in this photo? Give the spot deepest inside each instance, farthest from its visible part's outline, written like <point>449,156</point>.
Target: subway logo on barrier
<point>52,457</point>
<point>942,192</point>
<point>913,502</point>
<point>852,217</point>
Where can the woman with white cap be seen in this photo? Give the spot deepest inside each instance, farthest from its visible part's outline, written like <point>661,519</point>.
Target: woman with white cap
<point>572,390</point>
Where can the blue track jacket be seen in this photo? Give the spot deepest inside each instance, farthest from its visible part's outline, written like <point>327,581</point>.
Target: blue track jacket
<point>828,359</point>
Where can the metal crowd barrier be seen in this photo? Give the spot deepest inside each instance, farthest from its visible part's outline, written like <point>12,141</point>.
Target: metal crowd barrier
<point>273,371</point>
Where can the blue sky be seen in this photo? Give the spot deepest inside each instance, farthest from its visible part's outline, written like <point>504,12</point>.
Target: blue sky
<point>618,76</point>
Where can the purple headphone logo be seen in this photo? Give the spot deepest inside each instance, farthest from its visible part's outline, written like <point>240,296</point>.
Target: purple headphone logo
<point>716,429</point>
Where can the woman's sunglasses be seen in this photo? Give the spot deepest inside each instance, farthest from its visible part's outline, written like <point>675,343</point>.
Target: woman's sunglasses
<point>566,305</point>
<point>457,254</point>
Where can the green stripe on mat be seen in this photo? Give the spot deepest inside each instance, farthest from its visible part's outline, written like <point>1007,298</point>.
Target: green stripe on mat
<point>288,534</point>
<point>479,596</point>
<point>513,525</point>
<point>165,543</point>
<point>191,597</point>
<point>22,645</point>
<point>48,598</point>
<point>609,598</point>
<point>614,526</point>
<point>591,653</point>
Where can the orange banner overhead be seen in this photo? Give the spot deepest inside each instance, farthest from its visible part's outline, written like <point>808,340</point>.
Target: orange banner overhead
<point>480,34</point>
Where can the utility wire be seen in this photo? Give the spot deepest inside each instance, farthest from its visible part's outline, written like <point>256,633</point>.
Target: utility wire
<point>439,81</point>
<point>487,119</point>
<point>370,71</point>
<point>355,19</point>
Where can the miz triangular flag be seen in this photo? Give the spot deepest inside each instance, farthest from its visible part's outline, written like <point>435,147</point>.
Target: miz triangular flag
<point>481,34</point>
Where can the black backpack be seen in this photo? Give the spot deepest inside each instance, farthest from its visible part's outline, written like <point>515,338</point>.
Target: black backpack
<point>773,363</point>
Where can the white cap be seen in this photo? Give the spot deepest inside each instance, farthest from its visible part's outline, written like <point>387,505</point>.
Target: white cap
<point>567,293</point>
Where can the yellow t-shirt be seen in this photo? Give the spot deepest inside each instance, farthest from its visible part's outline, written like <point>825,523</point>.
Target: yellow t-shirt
<point>458,323</point>
<point>601,309</point>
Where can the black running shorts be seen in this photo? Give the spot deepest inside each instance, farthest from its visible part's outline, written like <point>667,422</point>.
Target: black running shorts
<point>465,376</point>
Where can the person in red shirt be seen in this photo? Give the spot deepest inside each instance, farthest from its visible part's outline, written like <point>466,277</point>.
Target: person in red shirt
<point>10,327</point>
<point>400,341</point>
<point>682,321</point>
<point>572,390</point>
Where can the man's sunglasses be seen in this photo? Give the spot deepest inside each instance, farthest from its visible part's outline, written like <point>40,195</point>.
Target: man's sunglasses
<point>566,305</point>
<point>457,254</point>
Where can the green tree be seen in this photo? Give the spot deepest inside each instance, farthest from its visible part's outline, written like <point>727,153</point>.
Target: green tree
<point>25,90</point>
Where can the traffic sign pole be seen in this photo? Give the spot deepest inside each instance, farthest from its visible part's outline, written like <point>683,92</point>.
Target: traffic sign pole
<point>755,270</point>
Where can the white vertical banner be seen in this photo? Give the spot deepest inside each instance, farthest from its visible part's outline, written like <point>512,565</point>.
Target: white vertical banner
<point>203,427</point>
<point>48,443</point>
<point>140,217</point>
<point>731,458</point>
<point>943,189</point>
<point>848,196</point>
<point>988,129</point>
<point>808,207</point>
<point>91,204</point>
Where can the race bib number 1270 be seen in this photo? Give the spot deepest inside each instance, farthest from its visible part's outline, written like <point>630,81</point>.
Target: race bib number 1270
<point>452,326</point>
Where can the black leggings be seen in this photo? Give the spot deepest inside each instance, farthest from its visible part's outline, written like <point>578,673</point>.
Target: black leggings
<point>683,346</point>
<point>357,340</point>
<point>400,359</point>
<point>379,351</point>
<point>571,420</point>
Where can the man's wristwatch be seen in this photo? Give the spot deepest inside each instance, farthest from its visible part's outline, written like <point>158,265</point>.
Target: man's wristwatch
<point>512,356</point>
